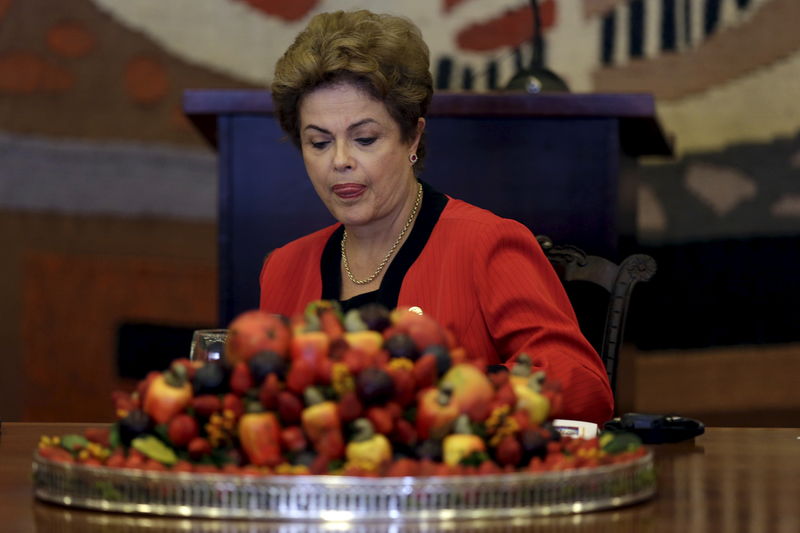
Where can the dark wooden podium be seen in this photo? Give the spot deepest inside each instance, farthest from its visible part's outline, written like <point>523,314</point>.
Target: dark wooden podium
<point>563,164</point>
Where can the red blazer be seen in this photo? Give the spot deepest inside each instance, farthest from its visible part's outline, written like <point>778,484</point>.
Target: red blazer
<point>488,281</point>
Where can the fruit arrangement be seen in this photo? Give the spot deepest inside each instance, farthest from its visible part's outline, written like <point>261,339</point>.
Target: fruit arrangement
<point>367,393</point>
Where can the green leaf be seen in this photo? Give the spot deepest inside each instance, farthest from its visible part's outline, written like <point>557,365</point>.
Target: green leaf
<point>474,459</point>
<point>73,443</point>
<point>152,447</point>
<point>114,441</point>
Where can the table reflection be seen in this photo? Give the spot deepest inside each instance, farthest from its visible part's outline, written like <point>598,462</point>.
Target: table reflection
<point>739,481</point>
<point>638,518</point>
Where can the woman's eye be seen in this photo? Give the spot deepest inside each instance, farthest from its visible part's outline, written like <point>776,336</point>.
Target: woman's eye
<point>319,145</point>
<point>365,141</point>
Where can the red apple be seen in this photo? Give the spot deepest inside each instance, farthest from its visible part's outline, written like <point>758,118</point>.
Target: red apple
<point>423,329</point>
<point>255,331</point>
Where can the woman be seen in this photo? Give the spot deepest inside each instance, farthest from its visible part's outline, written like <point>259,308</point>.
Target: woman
<point>352,92</point>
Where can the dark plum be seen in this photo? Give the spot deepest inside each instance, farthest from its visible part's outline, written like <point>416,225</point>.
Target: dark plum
<point>374,387</point>
<point>534,443</point>
<point>401,345</point>
<point>443,360</point>
<point>265,363</point>
<point>211,378</point>
<point>375,316</point>
<point>429,449</point>
<point>134,424</point>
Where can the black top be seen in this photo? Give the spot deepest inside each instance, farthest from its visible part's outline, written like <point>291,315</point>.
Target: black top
<point>433,203</point>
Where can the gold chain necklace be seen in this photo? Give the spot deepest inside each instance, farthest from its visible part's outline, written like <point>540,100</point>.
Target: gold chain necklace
<point>391,250</point>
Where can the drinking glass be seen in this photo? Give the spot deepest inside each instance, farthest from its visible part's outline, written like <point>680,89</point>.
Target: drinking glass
<point>208,345</point>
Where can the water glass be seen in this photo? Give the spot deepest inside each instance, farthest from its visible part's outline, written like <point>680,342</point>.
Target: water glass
<point>208,345</point>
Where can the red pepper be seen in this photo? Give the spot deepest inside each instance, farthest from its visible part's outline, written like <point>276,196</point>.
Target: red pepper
<point>323,427</point>
<point>260,436</point>
<point>168,394</point>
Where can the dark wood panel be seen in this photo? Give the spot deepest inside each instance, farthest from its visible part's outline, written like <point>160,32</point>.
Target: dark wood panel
<point>554,162</point>
<point>641,134</point>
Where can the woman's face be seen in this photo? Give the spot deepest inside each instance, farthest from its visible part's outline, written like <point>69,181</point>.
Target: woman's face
<point>355,156</point>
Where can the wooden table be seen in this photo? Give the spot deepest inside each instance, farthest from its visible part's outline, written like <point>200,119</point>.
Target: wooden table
<point>728,480</point>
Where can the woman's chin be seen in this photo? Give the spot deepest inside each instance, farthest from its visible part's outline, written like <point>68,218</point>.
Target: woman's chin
<point>354,222</point>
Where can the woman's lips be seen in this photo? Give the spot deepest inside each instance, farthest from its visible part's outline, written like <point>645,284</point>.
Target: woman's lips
<point>348,190</point>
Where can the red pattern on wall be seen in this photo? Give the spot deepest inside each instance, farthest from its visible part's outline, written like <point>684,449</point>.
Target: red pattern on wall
<point>146,80</point>
<point>509,29</point>
<point>289,11</point>
<point>28,72</point>
<point>70,39</point>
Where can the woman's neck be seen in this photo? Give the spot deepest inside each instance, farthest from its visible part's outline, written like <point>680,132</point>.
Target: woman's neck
<point>377,237</point>
<point>367,246</point>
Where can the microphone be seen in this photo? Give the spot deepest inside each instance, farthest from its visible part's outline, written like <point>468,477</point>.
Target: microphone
<point>536,78</point>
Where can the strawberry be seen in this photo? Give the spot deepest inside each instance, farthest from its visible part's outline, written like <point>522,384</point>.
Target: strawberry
<point>135,459</point>
<point>301,375</point>
<point>402,467</point>
<point>405,387</point>
<point>182,429</point>
<point>153,466</point>
<point>290,408</point>
<point>350,407</point>
<point>56,453</point>
<point>199,448</point>
<point>91,461</point>
<point>394,410</point>
<point>293,439</point>
<point>425,372</point>
<point>116,459</point>
<point>509,451</point>
<point>382,419</point>
<point>241,378</point>
<point>332,444</point>
<point>323,371</point>
<point>320,464</point>
<point>488,468</point>
<point>182,466</point>
<point>206,405</point>
<point>124,403</point>
<point>404,433</point>
<point>330,323</point>
<point>504,395</point>
<point>269,391</point>
<point>231,469</point>
<point>233,403</point>
<point>355,360</point>
<point>98,435</point>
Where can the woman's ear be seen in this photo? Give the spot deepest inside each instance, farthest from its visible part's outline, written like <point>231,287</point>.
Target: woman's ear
<point>418,136</point>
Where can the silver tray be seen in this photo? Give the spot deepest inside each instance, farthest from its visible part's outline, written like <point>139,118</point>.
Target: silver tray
<point>344,498</point>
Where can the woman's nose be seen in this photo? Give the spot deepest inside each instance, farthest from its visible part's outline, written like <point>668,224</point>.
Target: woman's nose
<point>341,159</point>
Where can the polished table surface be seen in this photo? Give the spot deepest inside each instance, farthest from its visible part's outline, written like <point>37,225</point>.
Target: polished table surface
<point>727,480</point>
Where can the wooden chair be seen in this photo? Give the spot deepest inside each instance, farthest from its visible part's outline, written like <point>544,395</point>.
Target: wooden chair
<point>599,288</point>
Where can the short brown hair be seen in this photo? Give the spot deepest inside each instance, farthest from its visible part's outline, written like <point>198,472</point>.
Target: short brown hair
<point>383,55</point>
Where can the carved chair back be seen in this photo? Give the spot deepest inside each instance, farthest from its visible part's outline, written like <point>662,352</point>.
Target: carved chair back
<point>601,316</point>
